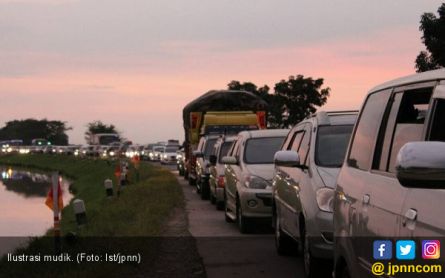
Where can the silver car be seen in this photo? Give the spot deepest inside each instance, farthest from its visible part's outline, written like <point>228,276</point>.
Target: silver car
<point>391,185</point>
<point>221,149</point>
<point>303,187</point>
<point>248,176</point>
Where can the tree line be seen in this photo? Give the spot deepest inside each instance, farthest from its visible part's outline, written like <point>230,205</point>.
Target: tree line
<point>291,101</point>
<point>53,131</point>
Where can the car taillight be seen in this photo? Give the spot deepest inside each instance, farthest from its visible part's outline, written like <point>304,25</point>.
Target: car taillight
<point>221,181</point>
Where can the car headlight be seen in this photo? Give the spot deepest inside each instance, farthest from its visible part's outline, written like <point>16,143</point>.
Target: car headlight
<point>325,199</point>
<point>255,182</point>
<point>165,156</point>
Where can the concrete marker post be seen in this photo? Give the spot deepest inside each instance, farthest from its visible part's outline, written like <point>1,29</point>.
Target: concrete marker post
<point>55,185</point>
<point>108,184</point>
<point>80,212</point>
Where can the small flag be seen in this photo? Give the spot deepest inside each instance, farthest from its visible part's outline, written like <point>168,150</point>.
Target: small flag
<point>49,198</point>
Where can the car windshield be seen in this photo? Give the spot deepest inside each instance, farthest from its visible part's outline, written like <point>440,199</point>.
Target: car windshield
<point>108,139</point>
<point>171,150</point>
<point>262,150</point>
<point>331,145</point>
<point>224,150</point>
<point>209,147</point>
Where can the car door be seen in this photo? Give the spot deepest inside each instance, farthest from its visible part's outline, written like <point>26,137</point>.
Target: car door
<point>358,188</point>
<point>283,178</point>
<point>423,208</point>
<point>294,179</point>
<point>231,177</point>
<point>383,198</point>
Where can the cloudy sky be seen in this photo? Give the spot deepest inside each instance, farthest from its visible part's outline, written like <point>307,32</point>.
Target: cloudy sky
<point>136,63</point>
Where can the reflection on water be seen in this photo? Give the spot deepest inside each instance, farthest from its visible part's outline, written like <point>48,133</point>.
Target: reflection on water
<point>22,202</point>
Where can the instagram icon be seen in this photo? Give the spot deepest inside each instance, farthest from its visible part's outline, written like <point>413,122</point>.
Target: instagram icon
<point>430,249</point>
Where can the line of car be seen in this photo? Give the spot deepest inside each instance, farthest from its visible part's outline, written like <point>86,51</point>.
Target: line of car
<point>338,177</point>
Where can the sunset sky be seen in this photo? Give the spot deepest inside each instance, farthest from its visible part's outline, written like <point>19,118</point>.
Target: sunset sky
<point>136,63</point>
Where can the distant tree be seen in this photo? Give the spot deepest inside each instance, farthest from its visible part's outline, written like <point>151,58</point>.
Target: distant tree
<point>433,29</point>
<point>99,127</point>
<point>298,97</point>
<point>292,99</point>
<point>26,130</point>
<point>262,92</point>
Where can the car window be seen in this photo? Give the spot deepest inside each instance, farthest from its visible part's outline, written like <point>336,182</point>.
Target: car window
<point>303,150</point>
<point>365,134</point>
<point>296,140</point>
<point>225,147</point>
<point>437,132</point>
<point>410,121</point>
<point>262,150</point>
<point>208,147</point>
<point>326,155</point>
<point>234,149</point>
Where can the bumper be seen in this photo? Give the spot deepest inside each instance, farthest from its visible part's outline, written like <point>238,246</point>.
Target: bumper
<point>256,203</point>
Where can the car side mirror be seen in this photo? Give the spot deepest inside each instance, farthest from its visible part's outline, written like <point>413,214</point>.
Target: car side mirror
<point>288,159</point>
<point>212,159</point>
<point>198,154</point>
<point>422,165</point>
<point>230,160</point>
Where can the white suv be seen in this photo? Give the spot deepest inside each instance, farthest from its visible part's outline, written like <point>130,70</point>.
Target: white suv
<point>303,187</point>
<point>392,183</point>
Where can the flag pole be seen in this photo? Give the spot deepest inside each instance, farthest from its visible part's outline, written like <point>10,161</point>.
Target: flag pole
<point>55,185</point>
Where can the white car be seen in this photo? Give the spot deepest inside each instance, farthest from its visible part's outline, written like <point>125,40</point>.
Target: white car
<point>248,176</point>
<point>169,155</point>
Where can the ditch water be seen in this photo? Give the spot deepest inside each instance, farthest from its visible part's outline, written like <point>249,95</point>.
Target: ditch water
<point>23,212</point>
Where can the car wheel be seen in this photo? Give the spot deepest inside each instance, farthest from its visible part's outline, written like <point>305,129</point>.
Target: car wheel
<point>283,243</point>
<point>219,205</point>
<point>243,222</point>
<point>205,190</point>
<point>345,273</point>
<point>312,266</point>
<point>192,182</point>
<point>212,198</point>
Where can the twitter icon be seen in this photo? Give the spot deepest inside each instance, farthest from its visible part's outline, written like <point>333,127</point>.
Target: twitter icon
<point>405,250</point>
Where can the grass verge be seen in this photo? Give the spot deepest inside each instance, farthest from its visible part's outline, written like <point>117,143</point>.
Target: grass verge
<point>130,224</point>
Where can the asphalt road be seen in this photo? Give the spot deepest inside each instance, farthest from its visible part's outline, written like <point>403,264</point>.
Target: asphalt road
<point>227,253</point>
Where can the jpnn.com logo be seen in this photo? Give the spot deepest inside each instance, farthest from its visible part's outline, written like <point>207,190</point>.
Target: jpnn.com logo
<point>405,251</point>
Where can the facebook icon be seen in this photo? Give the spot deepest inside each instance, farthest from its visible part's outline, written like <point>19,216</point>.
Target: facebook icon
<point>382,250</point>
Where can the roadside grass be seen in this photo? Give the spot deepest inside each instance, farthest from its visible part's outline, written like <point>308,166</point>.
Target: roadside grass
<point>128,224</point>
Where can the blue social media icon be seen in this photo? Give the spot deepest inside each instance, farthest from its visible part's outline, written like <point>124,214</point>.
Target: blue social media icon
<point>382,250</point>
<point>405,250</point>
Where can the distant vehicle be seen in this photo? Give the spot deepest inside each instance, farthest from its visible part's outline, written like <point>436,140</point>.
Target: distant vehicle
<point>202,168</point>
<point>391,185</point>
<point>219,112</point>
<point>103,138</point>
<point>169,155</point>
<point>216,181</point>
<point>40,142</point>
<point>172,142</point>
<point>180,162</point>
<point>306,170</point>
<point>155,155</point>
<point>248,175</point>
